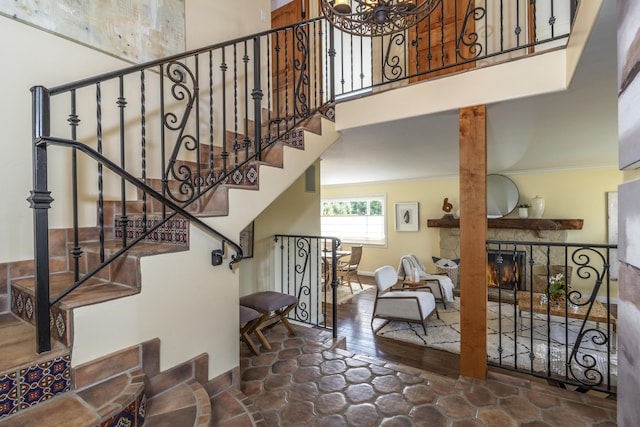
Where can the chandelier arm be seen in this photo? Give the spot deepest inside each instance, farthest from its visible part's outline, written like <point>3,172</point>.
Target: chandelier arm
<point>376,17</point>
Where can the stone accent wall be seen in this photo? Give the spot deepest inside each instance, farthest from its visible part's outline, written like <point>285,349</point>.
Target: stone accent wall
<point>450,241</point>
<point>450,248</point>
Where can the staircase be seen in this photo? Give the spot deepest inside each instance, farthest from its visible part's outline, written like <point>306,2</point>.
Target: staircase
<point>127,385</point>
<point>146,206</point>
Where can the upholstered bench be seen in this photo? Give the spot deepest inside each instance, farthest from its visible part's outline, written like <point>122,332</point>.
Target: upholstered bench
<point>274,307</point>
<point>249,321</point>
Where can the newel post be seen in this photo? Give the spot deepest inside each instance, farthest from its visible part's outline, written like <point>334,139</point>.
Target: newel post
<point>40,201</point>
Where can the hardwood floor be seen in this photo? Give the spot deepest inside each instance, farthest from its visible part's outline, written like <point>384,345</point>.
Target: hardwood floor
<point>354,323</point>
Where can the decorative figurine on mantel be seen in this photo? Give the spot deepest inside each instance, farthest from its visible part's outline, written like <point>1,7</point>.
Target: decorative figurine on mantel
<point>446,208</point>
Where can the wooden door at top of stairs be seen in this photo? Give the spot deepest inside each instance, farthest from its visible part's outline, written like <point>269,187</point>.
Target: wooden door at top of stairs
<point>438,38</point>
<point>440,34</point>
<point>284,55</point>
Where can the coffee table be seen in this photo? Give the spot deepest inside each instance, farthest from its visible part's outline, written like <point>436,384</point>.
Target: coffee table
<point>598,310</point>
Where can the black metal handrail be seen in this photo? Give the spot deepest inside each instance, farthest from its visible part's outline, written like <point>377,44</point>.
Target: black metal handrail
<point>555,311</point>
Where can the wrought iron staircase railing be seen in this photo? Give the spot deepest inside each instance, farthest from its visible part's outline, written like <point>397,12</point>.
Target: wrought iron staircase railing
<point>164,136</point>
<point>167,133</point>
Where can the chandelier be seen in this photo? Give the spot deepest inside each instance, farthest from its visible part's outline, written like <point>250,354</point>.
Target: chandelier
<point>376,17</point>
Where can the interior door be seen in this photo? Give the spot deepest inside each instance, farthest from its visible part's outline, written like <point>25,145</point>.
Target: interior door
<point>287,58</point>
<point>437,39</point>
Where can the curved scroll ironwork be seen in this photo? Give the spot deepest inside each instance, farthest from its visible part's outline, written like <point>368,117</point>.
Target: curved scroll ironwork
<point>392,63</point>
<point>184,90</point>
<point>585,370</point>
<point>470,40</point>
<point>303,255</point>
<point>301,66</point>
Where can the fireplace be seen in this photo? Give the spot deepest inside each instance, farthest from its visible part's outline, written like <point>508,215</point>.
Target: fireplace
<point>506,269</point>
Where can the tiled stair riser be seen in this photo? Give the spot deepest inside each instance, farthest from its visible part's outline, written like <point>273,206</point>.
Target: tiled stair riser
<point>132,416</point>
<point>175,231</point>
<point>30,385</point>
<point>23,306</point>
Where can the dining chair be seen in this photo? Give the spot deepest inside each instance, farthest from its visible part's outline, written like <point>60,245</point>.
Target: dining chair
<point>349,268</point>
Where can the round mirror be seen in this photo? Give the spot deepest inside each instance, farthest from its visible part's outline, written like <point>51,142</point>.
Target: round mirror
<point>502,196</point>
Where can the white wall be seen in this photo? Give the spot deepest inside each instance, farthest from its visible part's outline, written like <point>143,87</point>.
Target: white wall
<point>296,211</point>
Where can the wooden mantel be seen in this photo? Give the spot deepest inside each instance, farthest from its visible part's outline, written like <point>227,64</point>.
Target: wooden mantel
<point>516,223</point>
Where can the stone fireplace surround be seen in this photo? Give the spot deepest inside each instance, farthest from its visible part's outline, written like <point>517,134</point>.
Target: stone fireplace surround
<point>515,230</point>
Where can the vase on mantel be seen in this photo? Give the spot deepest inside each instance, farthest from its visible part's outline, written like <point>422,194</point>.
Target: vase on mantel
<point>523,213</point>
<point>537,207</point>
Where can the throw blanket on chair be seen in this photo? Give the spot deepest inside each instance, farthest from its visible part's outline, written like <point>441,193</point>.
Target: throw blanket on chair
<point>410,262</point>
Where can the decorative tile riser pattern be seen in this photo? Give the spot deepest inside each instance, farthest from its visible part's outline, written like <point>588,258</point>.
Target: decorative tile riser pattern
<point>23,306</point>
<point>28,386</point>
<point>175,231</point>
<point>245,176</point>
<point>294,138</point>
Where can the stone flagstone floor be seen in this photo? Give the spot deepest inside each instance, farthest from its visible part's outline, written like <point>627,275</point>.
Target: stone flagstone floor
<point>302,381</point>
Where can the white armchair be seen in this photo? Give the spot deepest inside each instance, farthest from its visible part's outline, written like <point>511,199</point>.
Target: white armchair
<point>400,304</point>
<point>443,292</point>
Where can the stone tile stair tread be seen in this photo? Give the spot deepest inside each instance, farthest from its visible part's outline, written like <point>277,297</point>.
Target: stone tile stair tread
<point>92,291</point>
<point>184,404</point>
<point>108,398</point>
<point>66,410</point>
<point>18,344</point>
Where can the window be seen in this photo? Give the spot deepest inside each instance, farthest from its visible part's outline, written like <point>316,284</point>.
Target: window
<point>354,219</point>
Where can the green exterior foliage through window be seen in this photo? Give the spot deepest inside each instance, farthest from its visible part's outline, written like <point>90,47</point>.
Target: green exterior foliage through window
<point>355,219</point>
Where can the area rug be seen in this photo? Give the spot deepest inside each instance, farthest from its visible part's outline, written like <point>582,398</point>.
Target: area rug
<point>344,294</point>
<point>530,344</point>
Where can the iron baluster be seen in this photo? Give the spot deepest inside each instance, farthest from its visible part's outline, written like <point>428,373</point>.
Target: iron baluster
<point>163,146</point>
<point>247,140</point>
<point>236,145</point>
<point>225,144</point>
<point>143,146</point>
<point>76,251</point>
<point>122,104</point>
<point>332,66</point>
<point>100,182</point>
<point>198,178</point>
<point>256,94</point>
<point>501,25</point>
<point>211,177</point>
<point>552,20</point>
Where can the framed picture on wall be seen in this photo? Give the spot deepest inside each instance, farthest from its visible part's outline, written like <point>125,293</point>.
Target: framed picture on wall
<point>246,241</point>
<point>406,216</point>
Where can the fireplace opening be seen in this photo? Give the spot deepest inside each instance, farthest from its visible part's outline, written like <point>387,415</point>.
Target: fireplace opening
<point>506,269</point>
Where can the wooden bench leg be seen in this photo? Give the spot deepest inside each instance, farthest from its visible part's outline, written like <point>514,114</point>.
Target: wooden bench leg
<point>282,314</point>
<point>247,330</point>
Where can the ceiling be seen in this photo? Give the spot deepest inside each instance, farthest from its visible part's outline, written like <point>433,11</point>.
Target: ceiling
<point>573,129</point>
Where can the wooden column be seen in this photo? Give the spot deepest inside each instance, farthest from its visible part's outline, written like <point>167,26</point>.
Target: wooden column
<point>473,237</point>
